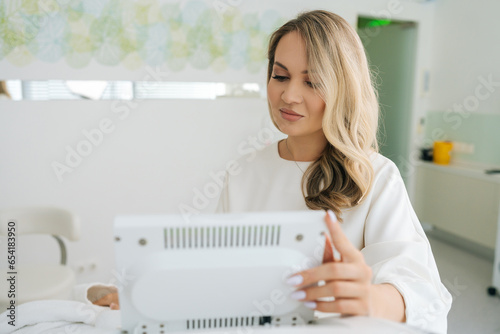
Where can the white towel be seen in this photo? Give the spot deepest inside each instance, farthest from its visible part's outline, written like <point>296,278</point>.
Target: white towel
<point>43,316</point>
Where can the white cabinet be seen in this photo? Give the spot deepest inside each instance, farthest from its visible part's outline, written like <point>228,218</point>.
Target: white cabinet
<point>463,202</point>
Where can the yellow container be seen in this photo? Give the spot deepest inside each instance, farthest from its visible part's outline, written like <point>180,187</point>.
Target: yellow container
<point>441,153</point>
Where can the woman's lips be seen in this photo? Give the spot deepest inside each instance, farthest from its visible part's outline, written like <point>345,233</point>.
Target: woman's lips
<point>290,115</point>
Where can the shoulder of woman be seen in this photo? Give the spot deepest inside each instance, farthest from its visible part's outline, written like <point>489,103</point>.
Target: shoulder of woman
<point>386,174</point>
<point>382,164</point>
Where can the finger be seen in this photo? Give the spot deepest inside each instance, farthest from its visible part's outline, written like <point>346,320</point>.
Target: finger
<point>337,289</point>
<point>335,255</point>
<point>114,306</point>
<point>327,272</point>
<point>328,253</point>
<point>106,300</point>
<point>343,306</point>
<point>348,252</point>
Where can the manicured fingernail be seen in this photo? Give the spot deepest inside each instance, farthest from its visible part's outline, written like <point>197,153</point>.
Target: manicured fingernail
<point>295,280</point>
<point>333,218</point>
<point>336,255</point>
<point>298,295</point>
<point>310,304</point>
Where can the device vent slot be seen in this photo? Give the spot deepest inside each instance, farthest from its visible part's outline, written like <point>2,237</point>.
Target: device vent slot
<point>189,238</point>
<point>184,238</point>
<point>278,236</point>
<point>255,229</point>
<point>222,236</point>
<point>214,237</point>
<point>225,236</point>
<point>238,236</point>
<point>171,238</point>
<point>196,238</point>
<point>178,237</point>
<point>201,237</point>
<point>208,236</point>
<point>243,236</point>
<point>250,240</point>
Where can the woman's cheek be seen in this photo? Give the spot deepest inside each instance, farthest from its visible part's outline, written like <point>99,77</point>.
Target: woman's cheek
<point>271,90</point>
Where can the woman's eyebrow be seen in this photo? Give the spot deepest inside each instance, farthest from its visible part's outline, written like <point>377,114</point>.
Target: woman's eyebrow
<point>284,67</point>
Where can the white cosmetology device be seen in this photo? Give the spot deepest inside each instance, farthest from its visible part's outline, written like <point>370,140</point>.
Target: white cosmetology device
<point>214,270</point>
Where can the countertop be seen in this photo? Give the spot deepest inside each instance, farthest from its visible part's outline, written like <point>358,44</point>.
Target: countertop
<point>464,169</point>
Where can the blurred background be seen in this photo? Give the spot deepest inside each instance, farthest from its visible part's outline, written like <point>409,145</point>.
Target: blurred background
<point>137,107</point>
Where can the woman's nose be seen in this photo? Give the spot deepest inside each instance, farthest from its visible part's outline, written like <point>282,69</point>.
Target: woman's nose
<point>292,93</point>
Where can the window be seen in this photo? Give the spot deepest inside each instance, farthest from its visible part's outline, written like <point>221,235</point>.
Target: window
<point>126,90</point>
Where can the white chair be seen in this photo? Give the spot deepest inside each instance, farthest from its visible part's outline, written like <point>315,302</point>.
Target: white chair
<point>41,281</point>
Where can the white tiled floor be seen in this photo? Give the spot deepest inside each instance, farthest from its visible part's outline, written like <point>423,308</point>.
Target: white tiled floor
<point>467,277</point>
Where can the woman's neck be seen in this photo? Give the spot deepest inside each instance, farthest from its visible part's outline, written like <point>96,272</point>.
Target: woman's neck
<point>300,148</point>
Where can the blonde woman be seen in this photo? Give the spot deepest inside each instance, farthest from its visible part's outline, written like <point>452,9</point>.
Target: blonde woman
<point>320,94</point>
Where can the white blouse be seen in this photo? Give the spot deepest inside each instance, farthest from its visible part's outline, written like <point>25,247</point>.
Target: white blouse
<point>384,226</point>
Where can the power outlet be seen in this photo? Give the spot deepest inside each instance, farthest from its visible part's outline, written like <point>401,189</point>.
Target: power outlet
<point>464,148</point>
<point>470,149</point>
<point>84,267</point>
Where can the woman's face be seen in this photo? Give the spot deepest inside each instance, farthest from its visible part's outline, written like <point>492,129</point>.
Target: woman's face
<point>295,107</point>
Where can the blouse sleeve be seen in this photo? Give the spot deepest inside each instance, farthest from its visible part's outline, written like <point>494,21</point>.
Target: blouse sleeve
<point>399,253</point>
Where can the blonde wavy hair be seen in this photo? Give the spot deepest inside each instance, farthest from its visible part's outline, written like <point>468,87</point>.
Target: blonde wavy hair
<point>343,175</point>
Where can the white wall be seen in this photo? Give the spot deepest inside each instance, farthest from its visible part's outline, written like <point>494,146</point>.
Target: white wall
<point>154,158</point>
<point>150,162</point>
<point>465,47</point>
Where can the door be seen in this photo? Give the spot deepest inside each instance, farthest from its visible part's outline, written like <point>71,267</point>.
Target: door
<point>391,52</point>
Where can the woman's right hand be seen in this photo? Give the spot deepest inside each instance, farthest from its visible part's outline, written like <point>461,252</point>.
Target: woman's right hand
<point>110,300</point>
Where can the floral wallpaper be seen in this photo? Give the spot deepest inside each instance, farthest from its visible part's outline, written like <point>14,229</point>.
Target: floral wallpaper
<point>214,35</point>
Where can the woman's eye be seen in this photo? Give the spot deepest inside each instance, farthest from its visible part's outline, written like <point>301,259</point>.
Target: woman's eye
<point>279,78</point>
<point>312,85</point>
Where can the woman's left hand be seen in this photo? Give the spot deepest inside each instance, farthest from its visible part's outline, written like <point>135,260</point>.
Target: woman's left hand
<point>348,279</point>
